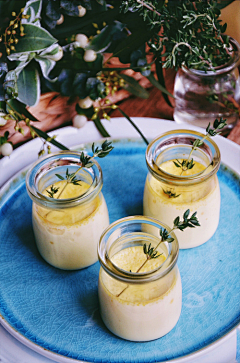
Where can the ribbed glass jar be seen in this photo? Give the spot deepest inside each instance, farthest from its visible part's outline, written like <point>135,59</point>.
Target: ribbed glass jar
<point>67,230</point>
<point>169,192</point>
<point>140,299</point>
<point>203,96</point>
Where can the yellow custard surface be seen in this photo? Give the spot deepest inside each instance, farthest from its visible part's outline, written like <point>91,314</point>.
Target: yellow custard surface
<point>73,215</point>
<point>132,258</point>
<point>171,168</point>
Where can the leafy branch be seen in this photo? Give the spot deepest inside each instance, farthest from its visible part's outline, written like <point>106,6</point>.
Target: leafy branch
<point>86,162</point>
<point>187,164</point>
<point>187,222</point>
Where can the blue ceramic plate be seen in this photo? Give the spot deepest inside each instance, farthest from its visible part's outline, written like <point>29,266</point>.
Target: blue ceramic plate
<point>58,310</point>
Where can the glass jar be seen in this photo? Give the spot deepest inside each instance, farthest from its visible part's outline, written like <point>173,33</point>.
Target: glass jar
<point>169,192</point>
<point>67,230</point>
<point>203,96</point>
<point>140,299</point>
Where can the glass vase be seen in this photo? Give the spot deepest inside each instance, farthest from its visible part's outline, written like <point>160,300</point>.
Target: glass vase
<point>203,96</point>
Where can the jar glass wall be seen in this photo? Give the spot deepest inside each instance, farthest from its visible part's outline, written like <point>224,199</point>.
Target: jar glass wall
<point>67,223</point>
<point>140,299</point>
<point>203,96</point>
<point>169,191</point>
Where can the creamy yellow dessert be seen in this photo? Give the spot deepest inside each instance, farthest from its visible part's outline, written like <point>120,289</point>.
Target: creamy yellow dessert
<point>140,312</point>
<point>67,238</point>
<point>165,202</point>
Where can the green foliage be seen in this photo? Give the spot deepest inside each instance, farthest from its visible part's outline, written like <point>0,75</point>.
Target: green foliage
<point>191,36</point>
<point>191,32</point>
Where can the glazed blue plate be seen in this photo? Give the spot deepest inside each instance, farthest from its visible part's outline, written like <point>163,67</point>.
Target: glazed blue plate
<point>59,311</point>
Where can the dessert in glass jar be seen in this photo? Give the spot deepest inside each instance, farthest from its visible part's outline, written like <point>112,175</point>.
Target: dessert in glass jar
<point>68,218</point>
<point>140,297</point>
<point>170,190</point>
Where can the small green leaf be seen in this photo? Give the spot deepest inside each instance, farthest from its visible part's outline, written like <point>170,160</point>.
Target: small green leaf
<point>176,164</point>
<point>186,214</point>
<point>60,176</point>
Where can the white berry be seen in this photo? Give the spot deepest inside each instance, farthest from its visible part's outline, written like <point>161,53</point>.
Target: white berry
<point>60,20</point>
<point>57,56</point>
<point>85,103</point>
<point>79,121</point>
<point>82,40</point>
<point>90,55</point>
<point>6,149</point>
<point>3,121</point>
<point>81,10</point>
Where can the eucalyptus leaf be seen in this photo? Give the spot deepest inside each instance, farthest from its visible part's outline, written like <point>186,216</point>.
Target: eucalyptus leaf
<point>133,42</point>
<point>69,7</point>
<point>53,10</point>
<point>28,84</point>
<point>134,87</point>
<point>35,39</point>
<point>20,107</point>
<point>48,138</point>
<point>100,127</point>
<point>103,40</point>
<point>156,84</point>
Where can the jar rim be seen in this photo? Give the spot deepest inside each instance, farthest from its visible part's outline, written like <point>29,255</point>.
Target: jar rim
<point>162,175</point>
<point>132,277</point>
<point>32,178</point>
<point>219,70</point>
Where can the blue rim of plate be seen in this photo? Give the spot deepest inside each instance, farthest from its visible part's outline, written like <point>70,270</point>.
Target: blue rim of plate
<point>229,183</point>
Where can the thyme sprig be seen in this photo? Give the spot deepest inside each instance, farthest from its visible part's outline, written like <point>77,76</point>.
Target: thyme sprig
<point>86,162</point>
<point>170,193</point>
<point>70,177</point>
<point>150,252</point>
<point>188,163</point>
<point>53,190</point>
